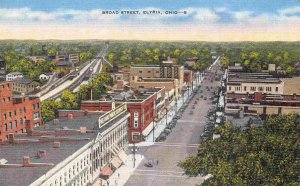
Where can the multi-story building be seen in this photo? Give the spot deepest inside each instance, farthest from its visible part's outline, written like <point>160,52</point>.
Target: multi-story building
<point>24,86</point>
<point>2,69</point>
<point>167,69</point>
<point>75,149</point>
<point>260,93</point>
<point>144,106</point>
<point>13,75</point>
<point>15,111</point>
<point>243,83</point>
<point>262,104</point>
<point>74,58</point>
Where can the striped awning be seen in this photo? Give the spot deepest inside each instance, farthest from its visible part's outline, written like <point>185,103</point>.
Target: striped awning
<point>106,171</point>
<point>116,162</point>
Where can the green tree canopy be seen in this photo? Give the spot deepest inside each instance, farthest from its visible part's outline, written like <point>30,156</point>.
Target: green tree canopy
<point>267,155</point>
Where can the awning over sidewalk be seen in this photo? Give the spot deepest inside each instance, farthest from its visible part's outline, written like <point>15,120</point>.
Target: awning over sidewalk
<point>148,129</point>
<point>116,162</point>
<point>106,171</point>
<point>123,156</point>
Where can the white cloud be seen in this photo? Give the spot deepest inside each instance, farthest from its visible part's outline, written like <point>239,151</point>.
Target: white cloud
<point>221,9</point>
<point>289,11</point>
<point>242,15</point>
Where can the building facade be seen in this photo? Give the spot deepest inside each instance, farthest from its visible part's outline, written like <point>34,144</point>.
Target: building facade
<point>142,111</point>
<point>2,69</point>
<point>15,111</point>
<point>165,70</point>
<point>76,149</point>
<point>13,75</point>
<point>24,86</point>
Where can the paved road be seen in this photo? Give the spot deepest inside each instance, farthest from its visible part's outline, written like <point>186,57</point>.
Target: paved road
<point>181,143</point>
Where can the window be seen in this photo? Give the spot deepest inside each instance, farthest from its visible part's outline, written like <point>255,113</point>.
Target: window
<point>9,114</point>
<point>136,122</point>
<point>36,115</point>
<point>33,106</point>
<point>149,71</point>
<point>237,88</point>
<point>15,123</point>
<point>15,112</point>
<point>252,88</point>
<point>136,114</point>
<point>276,89</point>
<point>135,136</point>
<point>4,116</point>
<point>269,89</point>
<point>229,88</point>
<point>140,72</point>
<point>245,88</point>
<point>261,89</point>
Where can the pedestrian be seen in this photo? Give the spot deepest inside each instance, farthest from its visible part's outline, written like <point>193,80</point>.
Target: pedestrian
<point>118,175</point>
<point>156,162</point>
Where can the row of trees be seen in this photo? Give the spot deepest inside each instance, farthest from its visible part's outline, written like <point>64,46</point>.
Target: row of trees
<point>139,52</point>
<point>69,100</point>
<point>268,155</point>
<point>17,62</point>
<point>255,57</point>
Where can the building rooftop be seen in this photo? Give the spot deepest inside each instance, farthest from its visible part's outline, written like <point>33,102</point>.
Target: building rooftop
<point>72,132</point>
<point>15,73</point>
<point>23,80</point>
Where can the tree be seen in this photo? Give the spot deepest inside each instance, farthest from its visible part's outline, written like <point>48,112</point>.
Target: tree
<point>52,52</point>
<point>49,109</point>
<point>68,100</point>
<point>224,61</point>
<point>267,155</point>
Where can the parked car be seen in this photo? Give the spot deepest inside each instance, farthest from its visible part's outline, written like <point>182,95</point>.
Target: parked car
<point>149,164</point>
<point>205,98</point>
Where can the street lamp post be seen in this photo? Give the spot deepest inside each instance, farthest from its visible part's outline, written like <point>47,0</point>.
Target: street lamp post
<point>134,151</point>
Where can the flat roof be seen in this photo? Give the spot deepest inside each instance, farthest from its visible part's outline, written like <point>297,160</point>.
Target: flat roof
<point>15,152</point>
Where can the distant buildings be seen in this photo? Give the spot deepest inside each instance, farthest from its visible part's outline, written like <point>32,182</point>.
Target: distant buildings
<point>13,75</point>
<point>16,111</point>
<point>24,86</point>
<point>2,69</point>
<point>167,69</point>
<point>77,148</point>
<point>260,93</point>
<point>45,76</point>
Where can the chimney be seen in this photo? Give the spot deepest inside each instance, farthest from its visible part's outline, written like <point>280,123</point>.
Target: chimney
<point>56,144</point>
<point>42,153</point>
<point>82,130</point>
<point>70,116</point>
<point>11,137</point>
<point>46,127</point>
<point>55,122</point>
<point>28,127</point>
<point>26,161</point>
<point>241,113</point>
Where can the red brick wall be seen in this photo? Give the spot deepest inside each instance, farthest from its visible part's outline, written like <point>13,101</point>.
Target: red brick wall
<point>148,106</point>
<point>19,109</point>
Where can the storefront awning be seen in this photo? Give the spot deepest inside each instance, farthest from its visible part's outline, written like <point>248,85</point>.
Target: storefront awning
<point>116,162</point>
<point>106,171</point>
<point>148,129</point>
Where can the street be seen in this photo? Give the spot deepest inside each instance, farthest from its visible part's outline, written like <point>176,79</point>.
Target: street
<point>182,142</point>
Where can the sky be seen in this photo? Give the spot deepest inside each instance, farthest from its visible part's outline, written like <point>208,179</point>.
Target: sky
<point>195,20</point>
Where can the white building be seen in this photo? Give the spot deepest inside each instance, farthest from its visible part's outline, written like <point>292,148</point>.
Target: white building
<point>75,149</point>
<point>13,75</point>
<point>45,76</point>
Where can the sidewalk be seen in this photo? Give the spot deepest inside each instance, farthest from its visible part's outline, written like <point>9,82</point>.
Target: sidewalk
<point>122,174</point>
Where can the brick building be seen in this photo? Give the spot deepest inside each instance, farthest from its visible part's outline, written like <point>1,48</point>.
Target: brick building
<point>140,104</point>
<point>16,111</point>
<point>74,149</point>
